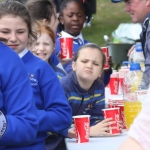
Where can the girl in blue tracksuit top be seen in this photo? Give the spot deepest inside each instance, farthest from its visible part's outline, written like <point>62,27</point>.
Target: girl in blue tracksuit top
<point>18,116</point>
<point>85,90</point>
<point>53,110</point>
<point>43,47</point>
<point>72,18</point>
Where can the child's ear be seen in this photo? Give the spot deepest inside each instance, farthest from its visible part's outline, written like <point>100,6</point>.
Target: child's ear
<point>73,66</point>
<point>61,20</point>
<point>44,21</point>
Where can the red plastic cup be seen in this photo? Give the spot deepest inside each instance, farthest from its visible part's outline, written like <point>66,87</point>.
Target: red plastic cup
<point>122,117</point>
<point>113,85</point>
<point>115,115</point>
<point>82,126</point>
<point>66,46</point>
<point>106,53</point>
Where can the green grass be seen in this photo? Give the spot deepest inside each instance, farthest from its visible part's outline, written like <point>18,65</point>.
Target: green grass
<point>106,20</point>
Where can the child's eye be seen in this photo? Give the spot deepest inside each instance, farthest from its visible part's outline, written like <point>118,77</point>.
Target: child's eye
<point>83,61</point>
<point>69,16</point>
<point>96,64</point>
<point>20,32</point>
<point>80,15</point>
<point>46,44</point>
<point>36,44</point>
<point>4,32</point>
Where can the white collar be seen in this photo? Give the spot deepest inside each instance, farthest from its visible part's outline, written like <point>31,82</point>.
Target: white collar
<point>21,54</point>
<point>65,34</point>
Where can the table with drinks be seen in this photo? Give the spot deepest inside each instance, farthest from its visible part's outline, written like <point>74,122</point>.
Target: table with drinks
<point>97,143</point>
<point>122,104</point>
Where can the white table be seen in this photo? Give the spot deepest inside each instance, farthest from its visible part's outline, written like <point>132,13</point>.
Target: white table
<point>98,143</point>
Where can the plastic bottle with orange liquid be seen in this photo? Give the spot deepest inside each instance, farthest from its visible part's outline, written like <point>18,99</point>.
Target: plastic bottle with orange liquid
<point>135,80</point>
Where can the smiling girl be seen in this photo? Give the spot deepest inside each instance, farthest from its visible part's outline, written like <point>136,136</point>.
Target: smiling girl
<point>54,113</point>
<point>43,47</point>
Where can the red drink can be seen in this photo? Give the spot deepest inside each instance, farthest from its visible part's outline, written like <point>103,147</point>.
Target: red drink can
<point>82,126</point>
<point>106,53</point>
<point>66,45</point>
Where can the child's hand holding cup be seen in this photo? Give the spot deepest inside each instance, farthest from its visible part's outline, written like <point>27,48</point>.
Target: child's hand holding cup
<point>113,113</point>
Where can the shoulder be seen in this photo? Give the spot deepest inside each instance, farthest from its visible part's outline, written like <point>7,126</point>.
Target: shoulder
<point>7,53</point>
<point>40,67</point>
<point>9,58</point>
<point>38,62</point>
<point>86,41</point>
<point>99,84</point>
<point>66,82</point>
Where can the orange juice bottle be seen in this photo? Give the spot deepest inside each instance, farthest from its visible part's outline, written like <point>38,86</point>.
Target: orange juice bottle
<point>134,80</point>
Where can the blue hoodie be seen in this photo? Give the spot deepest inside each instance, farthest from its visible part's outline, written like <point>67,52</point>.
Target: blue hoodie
<point>82,102</point>
<point>16,101</point>
<point>54,112</point>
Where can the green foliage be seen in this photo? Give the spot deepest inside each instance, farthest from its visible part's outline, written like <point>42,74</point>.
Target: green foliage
<point>107,18</point>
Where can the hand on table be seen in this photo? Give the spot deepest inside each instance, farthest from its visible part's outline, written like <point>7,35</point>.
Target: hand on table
<point>71,133</point>
<point>102,128</point>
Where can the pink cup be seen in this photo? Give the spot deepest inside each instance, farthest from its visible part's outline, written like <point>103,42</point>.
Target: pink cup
<point>66,46</point>
<point>82,126</point>
<point>115,115</point>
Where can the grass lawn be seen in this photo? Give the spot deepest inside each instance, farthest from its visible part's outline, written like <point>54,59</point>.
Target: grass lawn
<point>107,18</point>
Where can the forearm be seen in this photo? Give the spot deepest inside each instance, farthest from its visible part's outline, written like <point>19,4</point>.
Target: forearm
<point>130,144</point>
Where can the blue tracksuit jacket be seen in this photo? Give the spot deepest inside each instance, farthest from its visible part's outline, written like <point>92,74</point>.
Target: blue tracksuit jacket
<point>53,110</point>
<point>16,101</point>
<point>84,102</point>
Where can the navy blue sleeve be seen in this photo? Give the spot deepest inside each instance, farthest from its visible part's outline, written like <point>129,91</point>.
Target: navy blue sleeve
<point>96,112</point>
<point>106,78</point>
<point>147,53</point>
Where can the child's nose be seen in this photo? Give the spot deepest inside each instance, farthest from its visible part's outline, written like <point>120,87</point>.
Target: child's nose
<point>40,47</point>
<point>13,37</point>
<point>89,65</point>
<point>75,17</point>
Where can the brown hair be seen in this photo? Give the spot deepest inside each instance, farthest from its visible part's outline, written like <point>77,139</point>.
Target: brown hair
<point>14,8</point>
<point>93,46</point>
<point>41,28</point>
<point>40,9</point>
